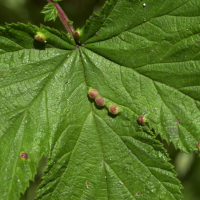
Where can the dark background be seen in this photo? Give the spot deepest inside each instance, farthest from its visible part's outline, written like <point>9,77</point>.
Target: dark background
<point>78,11</point>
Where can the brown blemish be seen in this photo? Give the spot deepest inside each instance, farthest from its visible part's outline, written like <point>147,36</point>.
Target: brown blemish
<point>121,183</point>
<point>177,121</point>
<point>138,194</point>
<point>86,184</point>
<point>154,110</point>
<point>122,36</point>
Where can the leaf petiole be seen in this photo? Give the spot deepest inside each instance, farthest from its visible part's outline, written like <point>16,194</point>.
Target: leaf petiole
<point>64,19</point>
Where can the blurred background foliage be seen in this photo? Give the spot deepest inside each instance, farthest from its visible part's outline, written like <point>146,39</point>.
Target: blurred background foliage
<point>78,11</point>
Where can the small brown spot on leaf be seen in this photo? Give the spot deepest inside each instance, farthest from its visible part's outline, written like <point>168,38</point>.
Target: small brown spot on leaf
<point>154,109</point>
<point>122,36</point>
<point>121,183</point>
<point>177,121</point>
<point>86,184</point>
<point>138,194</point>
<point>5,73</point>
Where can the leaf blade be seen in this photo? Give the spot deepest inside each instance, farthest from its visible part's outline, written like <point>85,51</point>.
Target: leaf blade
<point>120,64</point>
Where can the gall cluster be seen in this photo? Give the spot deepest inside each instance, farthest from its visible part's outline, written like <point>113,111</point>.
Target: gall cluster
<point>100,101</point>
<point>113,109</point>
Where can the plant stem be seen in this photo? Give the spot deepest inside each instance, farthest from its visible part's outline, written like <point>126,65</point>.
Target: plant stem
<point>64,19</point>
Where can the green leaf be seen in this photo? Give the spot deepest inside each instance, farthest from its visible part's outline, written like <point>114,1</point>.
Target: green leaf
<point>70,22</point>
<point>158,53</point>
<point>50,12</point>
<point>143,58</point>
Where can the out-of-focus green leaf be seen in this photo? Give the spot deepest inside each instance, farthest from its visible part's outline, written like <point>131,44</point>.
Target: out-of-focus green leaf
<point>50,12</point>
